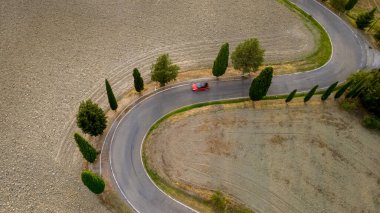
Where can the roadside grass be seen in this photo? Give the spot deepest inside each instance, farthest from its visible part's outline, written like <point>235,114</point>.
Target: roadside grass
<point>322,52</point>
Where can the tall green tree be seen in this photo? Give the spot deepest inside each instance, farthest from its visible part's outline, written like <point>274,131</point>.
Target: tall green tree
<point>91,118</point>
<point>221,61</point>
<point>163,71</point>
<point>138,80</point>
<point>88,152</point>
<point>260,85</point>
<point>111,97</point>
<point>291,96</point>
<point>93,182</point>
<point>248,56</point>
<point>310,94</point>
<point>329,90</point>
<point>341,91</point>
<point>350,4</point>
<point>365,19</point>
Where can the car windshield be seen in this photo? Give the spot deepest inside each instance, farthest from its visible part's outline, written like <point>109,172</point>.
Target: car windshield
<point>199,85</point>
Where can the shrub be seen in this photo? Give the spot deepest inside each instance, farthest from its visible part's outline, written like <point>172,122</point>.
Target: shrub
<point>88,152</point>
<point>163,71</point>
<point>365,19</point>
<point>329,90</point>
<point>221,61</point>
<point>111,97</point>
<point>341,91</point>
<point>371,122</point>
<point>248,56</point>
<point>93,182</point>
<point>260,84</point>
<point>291,96</point>
<point>138,80</point>
<point>377,35</point>
<point>91,118</point>
<point>349,104</point>
<point>218,202</point>
<point>310,94</point>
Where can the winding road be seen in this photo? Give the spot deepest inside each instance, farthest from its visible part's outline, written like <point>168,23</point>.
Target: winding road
<point>350,53</point>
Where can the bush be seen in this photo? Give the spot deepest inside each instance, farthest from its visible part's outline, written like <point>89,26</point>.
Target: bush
<point>260,84</point>
<point>218,202</point>
<point>248,56</point>
<point>111,97</point>
<point>365,19</point>
<point>371,122</point>
<point>93,182</point>
<point>91,118</point>
<point>163,71</point>
<point>221,61</point>
<point>310,94</point>
<point>291,96</point>
<point>138,80</point>
<point>349,104</point>
<point>329,90</point>
<point>88,152</point>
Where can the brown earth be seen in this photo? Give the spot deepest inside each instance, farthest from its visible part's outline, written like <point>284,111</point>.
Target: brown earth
<point>274,158</point>
<point>54,54</point>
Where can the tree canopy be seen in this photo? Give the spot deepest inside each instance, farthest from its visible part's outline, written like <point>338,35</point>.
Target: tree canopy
<point>93,182</point>
<point>221,61</point>
<point>163,71</point>
<point>365,19</point>
<point>91,118</point>
<point>111,97</point>
<point>138,80</point>
<point>260,84</point>
<point>248,56</point>
<point>88,152</point>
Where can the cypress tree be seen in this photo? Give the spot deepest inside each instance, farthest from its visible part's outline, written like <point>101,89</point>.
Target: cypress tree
<point>350,4</point>
<point>111,97</point>
<point>88,152</point>
<point>221,61</point>
<point>138,80</point>
<point>93,182</point>
<point>365,19</point>
<point>342,89</point>
<point>310,93</point>
<point>260,84</point>
<point>291,96</point>
<point>329,90</point>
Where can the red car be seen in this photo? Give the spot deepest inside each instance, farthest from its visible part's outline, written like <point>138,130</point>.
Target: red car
<point>200,86</point>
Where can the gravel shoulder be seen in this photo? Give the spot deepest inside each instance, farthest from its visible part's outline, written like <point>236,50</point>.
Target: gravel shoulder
<point>54,54</point>
<point>274,158</point>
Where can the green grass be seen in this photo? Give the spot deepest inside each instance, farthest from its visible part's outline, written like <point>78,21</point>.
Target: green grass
<point>323,51</point>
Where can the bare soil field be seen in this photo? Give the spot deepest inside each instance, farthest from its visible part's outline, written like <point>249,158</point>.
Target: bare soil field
<point>54,54</point>
<point>274,158</point>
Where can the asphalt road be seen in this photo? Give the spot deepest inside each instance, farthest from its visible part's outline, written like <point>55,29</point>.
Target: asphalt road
<point>350,53</point>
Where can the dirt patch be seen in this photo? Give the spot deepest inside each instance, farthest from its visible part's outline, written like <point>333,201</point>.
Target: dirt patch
<point>293,158</point>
